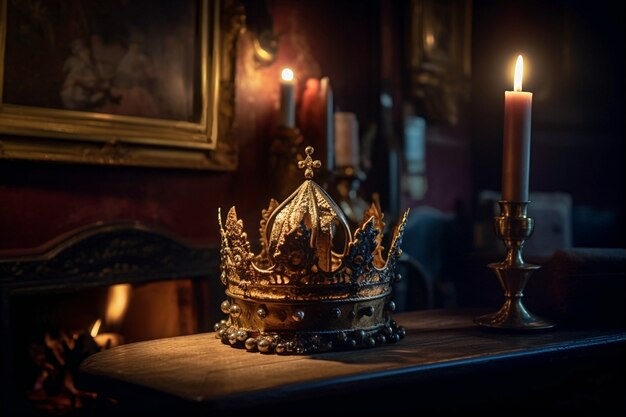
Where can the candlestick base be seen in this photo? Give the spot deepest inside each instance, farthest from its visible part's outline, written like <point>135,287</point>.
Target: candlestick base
<point>513,314</point>
<point>514,227</point>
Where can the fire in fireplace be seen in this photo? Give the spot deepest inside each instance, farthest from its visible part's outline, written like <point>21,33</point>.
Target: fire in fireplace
<point>57,332</point>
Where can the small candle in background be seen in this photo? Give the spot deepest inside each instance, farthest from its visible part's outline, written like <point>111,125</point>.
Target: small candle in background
<point>328,128</point>
<point>516,146</point>
<point>414,182</point>
<point>346,140</point>
<point>287,99</point>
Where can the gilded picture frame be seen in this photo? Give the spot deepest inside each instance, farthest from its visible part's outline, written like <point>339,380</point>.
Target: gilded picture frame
<point>119,86</point>
<point>439,57</point>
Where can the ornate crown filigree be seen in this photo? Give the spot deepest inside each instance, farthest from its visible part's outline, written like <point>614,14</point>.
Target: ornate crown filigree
<point>313,287</point>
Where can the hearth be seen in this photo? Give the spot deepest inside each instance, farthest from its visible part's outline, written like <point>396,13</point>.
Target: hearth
<point>100,287</point>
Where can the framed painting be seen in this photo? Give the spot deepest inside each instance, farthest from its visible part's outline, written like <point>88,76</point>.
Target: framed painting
<point>439,57</point>
<point>141,83</point>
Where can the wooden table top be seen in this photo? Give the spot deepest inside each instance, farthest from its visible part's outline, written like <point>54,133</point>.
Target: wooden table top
<point>200,369</point>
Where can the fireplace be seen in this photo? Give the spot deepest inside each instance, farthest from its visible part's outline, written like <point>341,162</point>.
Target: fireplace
<point>94,289</point>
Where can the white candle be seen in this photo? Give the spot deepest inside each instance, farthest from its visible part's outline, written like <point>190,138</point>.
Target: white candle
<point>516,146</point>
<point>287,99</point>
<point>346,140</point>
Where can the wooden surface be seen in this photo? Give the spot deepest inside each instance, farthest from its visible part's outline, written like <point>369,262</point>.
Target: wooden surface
<point>203,374</point>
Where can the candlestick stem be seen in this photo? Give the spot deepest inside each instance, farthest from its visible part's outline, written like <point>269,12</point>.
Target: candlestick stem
<point>282,163</point>
<point>514,227</point>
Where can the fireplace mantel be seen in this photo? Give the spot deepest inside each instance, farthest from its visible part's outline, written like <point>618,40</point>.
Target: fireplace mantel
<point>106,253</point>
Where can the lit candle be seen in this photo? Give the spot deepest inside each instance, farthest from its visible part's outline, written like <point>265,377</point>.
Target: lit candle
<point>516,149</point>
<point>287,98</point>
<point>346,140</point>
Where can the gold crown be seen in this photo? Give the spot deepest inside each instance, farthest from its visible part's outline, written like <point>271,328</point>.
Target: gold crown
<point>313,287</point>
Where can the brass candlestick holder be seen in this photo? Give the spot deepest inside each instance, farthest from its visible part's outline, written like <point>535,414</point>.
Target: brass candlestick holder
<point>282,163</point>
<point>347,183</point>
<point>514,227</point>
<point>283,170</point>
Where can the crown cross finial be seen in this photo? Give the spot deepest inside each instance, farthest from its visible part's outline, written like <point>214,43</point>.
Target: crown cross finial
<point>309,163</point>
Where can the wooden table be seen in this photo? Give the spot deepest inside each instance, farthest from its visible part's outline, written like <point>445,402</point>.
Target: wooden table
<point>445,363</point>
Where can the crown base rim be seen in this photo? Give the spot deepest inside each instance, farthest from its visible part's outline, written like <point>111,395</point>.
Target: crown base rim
<point>298,342</point>
<point>306,327</point>
<point>298,316</point>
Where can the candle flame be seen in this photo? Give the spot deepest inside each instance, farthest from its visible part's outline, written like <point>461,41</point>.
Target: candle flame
<point>95,328</point>
<point>287,74</point>
<point>519,70</point>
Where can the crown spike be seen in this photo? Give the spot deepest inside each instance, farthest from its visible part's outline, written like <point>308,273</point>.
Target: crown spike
<point>309,163</point>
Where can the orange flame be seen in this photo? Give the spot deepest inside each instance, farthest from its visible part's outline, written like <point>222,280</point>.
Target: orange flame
<point>117,304</point>
<point>95,328</point>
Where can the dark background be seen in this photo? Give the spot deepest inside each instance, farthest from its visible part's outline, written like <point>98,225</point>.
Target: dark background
<point>575,53</point>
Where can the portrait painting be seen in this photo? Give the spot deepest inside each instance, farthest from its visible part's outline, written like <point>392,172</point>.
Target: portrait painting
<point>439,57</point>
<point>133,58</point>
<point>134,77</point>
